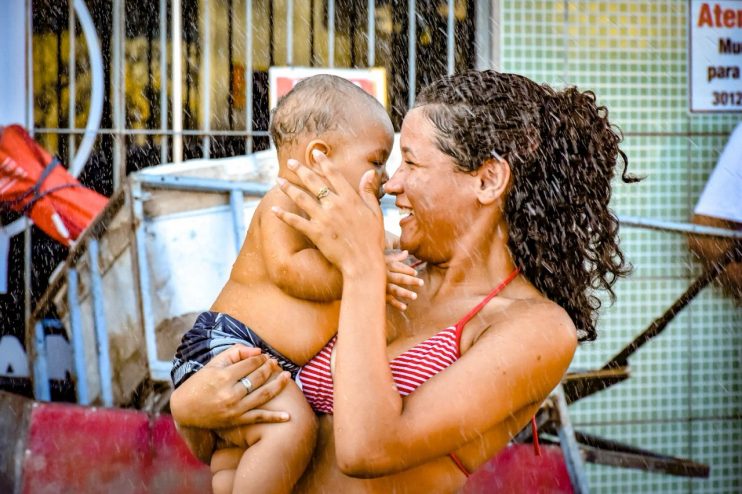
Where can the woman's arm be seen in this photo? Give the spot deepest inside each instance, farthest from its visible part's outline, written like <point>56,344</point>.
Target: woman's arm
<point>512,366</point>
<point>213,397</point>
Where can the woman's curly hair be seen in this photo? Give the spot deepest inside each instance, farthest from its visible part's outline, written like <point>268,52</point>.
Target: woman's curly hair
<point>562,152</point>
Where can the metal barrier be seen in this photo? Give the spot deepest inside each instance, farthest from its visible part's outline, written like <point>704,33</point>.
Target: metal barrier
<point>86,251</point>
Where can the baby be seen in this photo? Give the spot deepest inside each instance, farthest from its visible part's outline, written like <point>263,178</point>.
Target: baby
<point>282,295</point>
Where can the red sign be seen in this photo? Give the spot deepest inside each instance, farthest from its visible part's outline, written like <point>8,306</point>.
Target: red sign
<point>283,79</point>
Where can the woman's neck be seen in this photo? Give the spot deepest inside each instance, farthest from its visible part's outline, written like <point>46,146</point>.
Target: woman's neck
<point>477,263</point>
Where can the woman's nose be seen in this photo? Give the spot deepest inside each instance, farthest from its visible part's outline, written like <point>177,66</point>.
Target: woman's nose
<point>393,185</point>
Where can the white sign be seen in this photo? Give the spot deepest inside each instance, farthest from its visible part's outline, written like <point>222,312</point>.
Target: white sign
<point>14,361</point>
<point>715,56</point>
<point>282,79</point>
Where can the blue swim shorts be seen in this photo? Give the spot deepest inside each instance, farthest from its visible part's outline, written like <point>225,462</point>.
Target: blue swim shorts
<point>211,334</point>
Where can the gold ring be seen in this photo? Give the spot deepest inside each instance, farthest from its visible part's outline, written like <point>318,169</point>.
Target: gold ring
<point>323,192</point>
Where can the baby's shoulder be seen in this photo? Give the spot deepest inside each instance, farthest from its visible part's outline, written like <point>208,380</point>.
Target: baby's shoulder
<point>267,228</point>
<point>276,197</point>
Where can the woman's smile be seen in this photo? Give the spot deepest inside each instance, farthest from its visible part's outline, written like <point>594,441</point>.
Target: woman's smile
<point>405,214</point>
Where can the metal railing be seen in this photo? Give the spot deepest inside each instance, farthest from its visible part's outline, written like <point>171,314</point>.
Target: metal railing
<point>486,31</point>
<point>159,370</point>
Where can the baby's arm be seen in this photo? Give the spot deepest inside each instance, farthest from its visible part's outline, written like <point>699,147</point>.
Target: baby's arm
<point>295,265</point>
<point>298,268</point>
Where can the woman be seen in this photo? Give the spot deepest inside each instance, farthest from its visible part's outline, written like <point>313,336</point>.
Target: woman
<point>505,187</point>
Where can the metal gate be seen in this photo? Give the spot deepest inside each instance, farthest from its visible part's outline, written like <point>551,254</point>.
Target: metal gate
<point>113,86</point>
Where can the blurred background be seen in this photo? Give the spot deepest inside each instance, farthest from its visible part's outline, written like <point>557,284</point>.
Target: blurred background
<point>685,394</point>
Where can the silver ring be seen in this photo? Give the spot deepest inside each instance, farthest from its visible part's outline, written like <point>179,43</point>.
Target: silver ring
<point>247,384</point>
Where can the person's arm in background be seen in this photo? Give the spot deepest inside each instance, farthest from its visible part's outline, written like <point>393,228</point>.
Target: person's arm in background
<point>710,249</point>
<point>720,205</point>
<point>213,397</point>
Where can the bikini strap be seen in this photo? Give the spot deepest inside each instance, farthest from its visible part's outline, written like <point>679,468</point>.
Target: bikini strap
<point>468,317</point>
<point>459,464</point>
<point>534,433</point>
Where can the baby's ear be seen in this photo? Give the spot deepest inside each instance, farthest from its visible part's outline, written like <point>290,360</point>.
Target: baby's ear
<point>319,145</point>
<point>494,178</point>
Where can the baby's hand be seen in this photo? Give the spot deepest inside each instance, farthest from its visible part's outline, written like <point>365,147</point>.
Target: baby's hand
<point>399,274</point>
<point>391,241</point>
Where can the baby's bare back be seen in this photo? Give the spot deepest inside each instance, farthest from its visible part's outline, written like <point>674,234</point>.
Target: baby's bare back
<point>295,327</point>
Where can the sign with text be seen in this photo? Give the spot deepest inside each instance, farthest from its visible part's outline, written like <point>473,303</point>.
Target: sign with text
<point>283,79</point>
<point>715,56</point>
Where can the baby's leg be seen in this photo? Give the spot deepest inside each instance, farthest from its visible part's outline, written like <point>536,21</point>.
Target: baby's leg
<point>276,454</point>
<point>223,467</point>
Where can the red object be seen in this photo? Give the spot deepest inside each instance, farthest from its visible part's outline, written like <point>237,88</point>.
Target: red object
<point>410,369</point>
<point>534,433</point>
<point>516,469</point>
<point>287,83</point>
<point>77,449</point>
<point>34,183</point>
<point>174,468</point>
<point>54,447</point>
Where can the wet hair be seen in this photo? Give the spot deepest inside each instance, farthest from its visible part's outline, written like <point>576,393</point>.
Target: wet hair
<point>316,105</point>
<point>562,152</point>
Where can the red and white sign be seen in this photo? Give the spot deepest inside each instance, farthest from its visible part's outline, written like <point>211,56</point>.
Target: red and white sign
<point>715,55</point>
<point>283,79</point>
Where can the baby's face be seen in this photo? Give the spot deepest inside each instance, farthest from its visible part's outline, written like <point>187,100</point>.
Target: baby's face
<point>364,144</point>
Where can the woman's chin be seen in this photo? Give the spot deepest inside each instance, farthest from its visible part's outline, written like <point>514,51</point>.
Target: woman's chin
<point>408,234</point>
<point>406,243</point>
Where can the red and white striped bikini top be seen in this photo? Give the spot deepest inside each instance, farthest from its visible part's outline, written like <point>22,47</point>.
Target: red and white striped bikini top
<point>410,369</point>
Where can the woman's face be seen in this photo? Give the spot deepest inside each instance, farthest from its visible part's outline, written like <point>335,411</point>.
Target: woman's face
<point>435,200</point>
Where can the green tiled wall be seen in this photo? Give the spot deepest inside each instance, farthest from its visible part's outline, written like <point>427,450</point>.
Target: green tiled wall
<point>685,394</point>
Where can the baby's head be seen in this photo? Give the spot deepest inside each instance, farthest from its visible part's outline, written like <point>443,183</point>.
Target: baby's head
<point>337,117</point>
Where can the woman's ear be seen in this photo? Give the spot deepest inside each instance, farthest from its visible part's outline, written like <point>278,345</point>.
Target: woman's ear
<point>494,178</point>
<point>319,145</point>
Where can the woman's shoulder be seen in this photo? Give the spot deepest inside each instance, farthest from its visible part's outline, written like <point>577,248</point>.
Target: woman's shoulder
<point>549,314</point>
<point>537,320</point>
<point>540,307</point>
